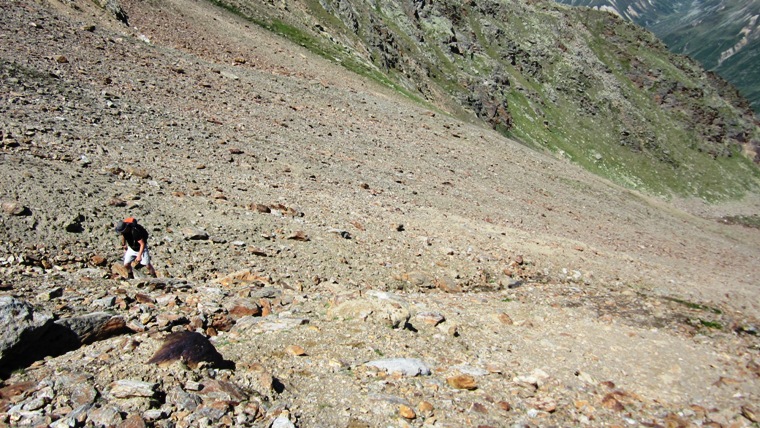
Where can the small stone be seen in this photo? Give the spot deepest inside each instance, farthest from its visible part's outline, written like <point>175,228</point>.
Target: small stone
<point>504,318</point>
<point>425,408</point>
<point>126,388</point>
<point>447,285</point>
<point>749,412</point>
<point>449,328</point>
<point>299,235</point>
<point>462,382</point>
<point>51,294</point>
<point>406,412</point>
<point>98,260</point>
<point>431,318</point>
<point>119,271</point>
<point>105,416</point>
<point>194,234</point>
<point>546,405</point>
<point>536,379</point>
<point>245,308</point>
<point>295,350</point>
<point>105,302</point>
<point>611,402</point>
<point>13,208</point>
<point>60,59</point>
<point>504,405</point>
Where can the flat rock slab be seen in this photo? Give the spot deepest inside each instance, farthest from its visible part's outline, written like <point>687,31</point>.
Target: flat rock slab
<point>404,366</point>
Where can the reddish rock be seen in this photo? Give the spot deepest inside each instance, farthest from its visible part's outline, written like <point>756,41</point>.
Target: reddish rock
<point>611,402</point>
<point>406,412</point>
<point>219,390</point>
<point>144,298</point>
<point>462,382</point>
<point>98,260</point>
<point>504,318</point>
<point>244,308</point>
<point>133,421</point>
<point>447,285</point>
<point>222,322</point>
<point>299,235</point>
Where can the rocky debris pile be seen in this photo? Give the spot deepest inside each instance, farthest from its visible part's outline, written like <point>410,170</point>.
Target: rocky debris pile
<point>347,357</point>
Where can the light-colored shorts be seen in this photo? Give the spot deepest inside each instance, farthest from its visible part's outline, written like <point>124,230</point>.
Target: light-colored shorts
<point>131,254</point>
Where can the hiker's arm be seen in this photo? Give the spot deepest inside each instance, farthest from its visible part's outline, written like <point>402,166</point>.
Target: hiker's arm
<point>140,253</point>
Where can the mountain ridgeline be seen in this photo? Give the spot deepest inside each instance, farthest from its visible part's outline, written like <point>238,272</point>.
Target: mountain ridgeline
<point>583,84</point>
<point>723,35</point>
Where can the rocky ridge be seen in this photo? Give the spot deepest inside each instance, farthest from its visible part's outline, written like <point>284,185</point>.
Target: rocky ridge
<point>336,244</point>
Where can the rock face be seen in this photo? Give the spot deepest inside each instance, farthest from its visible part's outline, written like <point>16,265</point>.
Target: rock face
<point>361,259</point>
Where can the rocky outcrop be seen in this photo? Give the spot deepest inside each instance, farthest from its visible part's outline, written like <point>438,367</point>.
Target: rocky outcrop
<point>30,336</point>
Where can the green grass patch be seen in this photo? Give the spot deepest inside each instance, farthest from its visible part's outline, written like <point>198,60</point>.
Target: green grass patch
<point>692,305</point>
<point>711,324</point>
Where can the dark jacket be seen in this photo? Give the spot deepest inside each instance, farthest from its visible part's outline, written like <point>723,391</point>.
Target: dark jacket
<point>134,233</point>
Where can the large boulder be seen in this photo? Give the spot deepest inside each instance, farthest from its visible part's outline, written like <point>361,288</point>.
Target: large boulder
<point>20,328</point>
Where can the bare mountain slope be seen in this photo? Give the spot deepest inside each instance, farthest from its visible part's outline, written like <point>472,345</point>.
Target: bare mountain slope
<point>566,299</point>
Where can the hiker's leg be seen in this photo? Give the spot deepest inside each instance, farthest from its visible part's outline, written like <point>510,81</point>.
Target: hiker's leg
<point>146,262</point>
<point>152,271</point>
<point>129,256</point>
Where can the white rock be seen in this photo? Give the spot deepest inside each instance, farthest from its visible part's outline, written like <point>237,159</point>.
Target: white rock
<point>405,366</point>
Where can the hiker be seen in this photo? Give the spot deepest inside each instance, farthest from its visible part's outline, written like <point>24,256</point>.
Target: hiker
<point>134,241</point>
